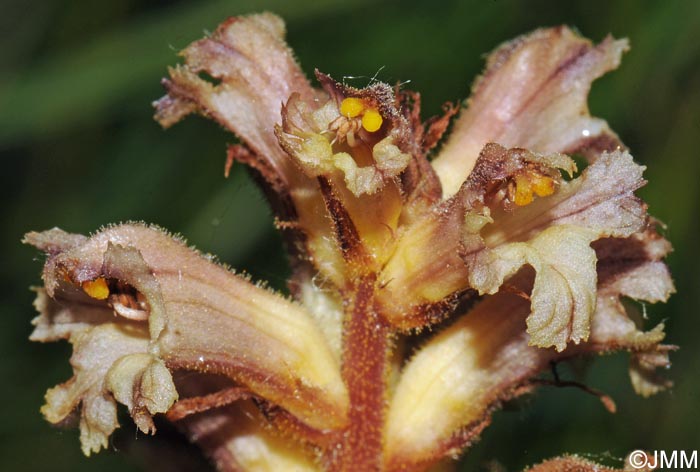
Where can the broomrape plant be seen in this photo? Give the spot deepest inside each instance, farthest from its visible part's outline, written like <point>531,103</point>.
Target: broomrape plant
<point>424,293</point>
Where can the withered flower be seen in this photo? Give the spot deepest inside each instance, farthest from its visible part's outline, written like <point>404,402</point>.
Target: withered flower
<point>497,252</point>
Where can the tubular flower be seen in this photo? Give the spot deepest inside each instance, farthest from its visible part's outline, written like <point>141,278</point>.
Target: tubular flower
<point>515,258</point>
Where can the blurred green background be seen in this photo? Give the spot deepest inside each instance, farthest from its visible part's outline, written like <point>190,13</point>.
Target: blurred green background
<point>80,150</point>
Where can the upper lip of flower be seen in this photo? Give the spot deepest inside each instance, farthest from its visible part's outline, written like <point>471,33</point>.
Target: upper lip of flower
<point>371,223</point>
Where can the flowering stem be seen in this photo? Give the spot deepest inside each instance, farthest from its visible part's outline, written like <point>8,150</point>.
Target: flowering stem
<point>365,357</point>
<point>400,239</point>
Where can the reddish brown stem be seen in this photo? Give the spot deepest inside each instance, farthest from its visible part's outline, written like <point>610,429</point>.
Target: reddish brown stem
<point>365,355</point>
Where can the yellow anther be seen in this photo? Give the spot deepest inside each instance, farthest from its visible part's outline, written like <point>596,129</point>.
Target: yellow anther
<point>523,191</point>
<point>543,185</point>
<point>351,107</point>
<point>97,288</point>
<point>372,120</point>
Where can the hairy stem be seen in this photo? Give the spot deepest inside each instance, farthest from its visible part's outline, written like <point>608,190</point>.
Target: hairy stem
<point>365,355</point>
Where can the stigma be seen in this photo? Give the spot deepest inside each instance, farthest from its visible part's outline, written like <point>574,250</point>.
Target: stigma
<point>530,184</point>
<point>96,289</point>
<point>353,107</point>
